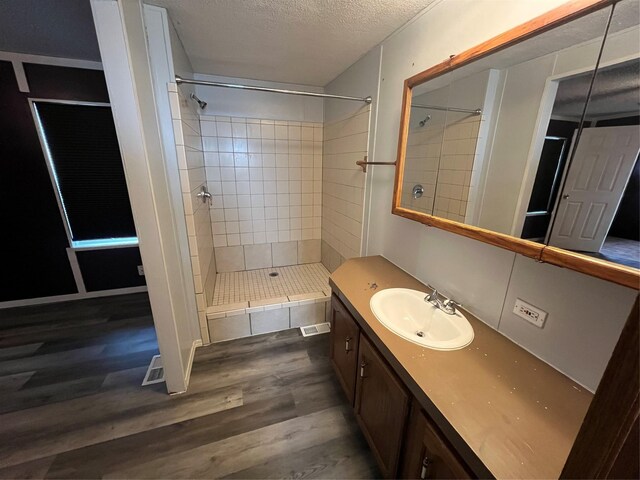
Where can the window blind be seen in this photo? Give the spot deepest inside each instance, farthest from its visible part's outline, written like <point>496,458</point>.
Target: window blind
<point>83,148</point>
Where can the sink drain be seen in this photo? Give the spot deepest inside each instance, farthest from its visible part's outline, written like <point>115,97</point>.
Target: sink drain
<point>420,334</point>
<point>274,274</point>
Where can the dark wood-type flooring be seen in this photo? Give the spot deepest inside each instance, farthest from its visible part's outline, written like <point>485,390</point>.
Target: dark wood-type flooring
<point>620,250</point>
<point>71,404</point>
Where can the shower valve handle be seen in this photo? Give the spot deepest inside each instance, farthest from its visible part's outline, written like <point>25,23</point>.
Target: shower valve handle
<point>204,194</point>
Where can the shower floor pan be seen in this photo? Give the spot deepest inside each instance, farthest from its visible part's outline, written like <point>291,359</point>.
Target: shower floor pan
<point>266,300</point>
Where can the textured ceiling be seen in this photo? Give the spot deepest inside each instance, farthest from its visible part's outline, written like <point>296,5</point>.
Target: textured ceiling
<point>56,28</point>
<point>297,41</point>
<point>589,28</point>
<point>615,90</point>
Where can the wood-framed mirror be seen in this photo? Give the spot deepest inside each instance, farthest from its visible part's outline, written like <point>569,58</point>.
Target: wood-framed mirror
<point>530,140</point>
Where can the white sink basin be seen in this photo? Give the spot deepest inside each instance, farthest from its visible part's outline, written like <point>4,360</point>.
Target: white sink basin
<point>406,314</point>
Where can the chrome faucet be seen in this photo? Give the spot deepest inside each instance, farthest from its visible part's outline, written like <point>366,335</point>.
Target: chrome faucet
<point>448,306</point>
<point>432,297</point>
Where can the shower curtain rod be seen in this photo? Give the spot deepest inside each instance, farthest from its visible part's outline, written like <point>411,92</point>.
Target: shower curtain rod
<point>477,111</point>
<point>180,80</point>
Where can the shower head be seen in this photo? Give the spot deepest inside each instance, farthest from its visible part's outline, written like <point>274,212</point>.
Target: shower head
<point>202,103</point>
<point>424,122</point>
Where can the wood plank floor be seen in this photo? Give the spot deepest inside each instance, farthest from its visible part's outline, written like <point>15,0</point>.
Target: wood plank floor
<point>71,404</point>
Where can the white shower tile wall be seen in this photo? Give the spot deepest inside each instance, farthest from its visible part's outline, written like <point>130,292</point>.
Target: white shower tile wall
<point>440,157</point>
<point>458,168</point>
<point>265,177</point>
<point>345,142</point>
<point>187,134</point>
<point>422,157</point>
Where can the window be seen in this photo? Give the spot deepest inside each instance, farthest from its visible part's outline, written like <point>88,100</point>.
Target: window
<point>81,147</point>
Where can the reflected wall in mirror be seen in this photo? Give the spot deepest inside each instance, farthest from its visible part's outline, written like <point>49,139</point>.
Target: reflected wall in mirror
<point>598,204</point>
<point>489,144</point>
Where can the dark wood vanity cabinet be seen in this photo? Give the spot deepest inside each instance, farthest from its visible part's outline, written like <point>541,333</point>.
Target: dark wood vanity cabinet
<point>382,405</point>
<point>426,453</point>
<point>345,338</point>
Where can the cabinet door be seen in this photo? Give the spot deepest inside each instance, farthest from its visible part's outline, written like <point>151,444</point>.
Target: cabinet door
<point>382,404</point>
<point>345,337</point>
<point>426,453</point>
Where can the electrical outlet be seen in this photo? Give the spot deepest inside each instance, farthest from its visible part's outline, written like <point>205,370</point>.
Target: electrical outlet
<point>141,270</point>
<point>530,313</point>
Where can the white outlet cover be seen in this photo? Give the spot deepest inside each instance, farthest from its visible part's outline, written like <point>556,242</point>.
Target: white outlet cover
<point>530,313</point>
<point>141,270</point>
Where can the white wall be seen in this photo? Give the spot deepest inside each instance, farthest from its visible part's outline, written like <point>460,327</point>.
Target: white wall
<point>359,80</point>
<point>478,275</point>
<point>520,101</point>
<point>264,105</point>
<point>180,60</point>
<point>586,316</point>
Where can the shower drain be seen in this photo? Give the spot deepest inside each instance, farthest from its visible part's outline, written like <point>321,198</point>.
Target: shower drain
<point>274,274</point>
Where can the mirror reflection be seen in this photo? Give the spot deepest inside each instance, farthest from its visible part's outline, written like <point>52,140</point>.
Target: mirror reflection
<point>598,199</point>
<point>494,144</point>
<point>441,148</point>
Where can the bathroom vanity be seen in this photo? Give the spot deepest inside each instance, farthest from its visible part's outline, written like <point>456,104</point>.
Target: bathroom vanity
<point>490,409</point>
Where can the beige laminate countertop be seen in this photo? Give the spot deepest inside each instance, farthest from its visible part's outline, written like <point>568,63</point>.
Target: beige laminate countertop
<point>518,415</point>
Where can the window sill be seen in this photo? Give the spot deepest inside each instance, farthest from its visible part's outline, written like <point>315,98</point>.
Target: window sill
<point>104,243</point>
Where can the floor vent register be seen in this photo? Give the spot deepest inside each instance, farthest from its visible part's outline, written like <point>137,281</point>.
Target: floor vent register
<point>155,372</point>
<point>315,329</point>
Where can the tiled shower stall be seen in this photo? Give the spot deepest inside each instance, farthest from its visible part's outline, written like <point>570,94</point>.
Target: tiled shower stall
<point>286,208</point>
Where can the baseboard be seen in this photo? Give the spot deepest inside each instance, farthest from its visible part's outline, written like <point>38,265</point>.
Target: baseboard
<point>72,296</point>
<point>187,375</point>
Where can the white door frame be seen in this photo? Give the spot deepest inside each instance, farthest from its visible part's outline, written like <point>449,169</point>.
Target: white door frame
<point>125,58</point>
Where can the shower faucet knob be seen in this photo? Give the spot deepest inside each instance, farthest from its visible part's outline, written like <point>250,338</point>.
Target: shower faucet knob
<point>204,194</point>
